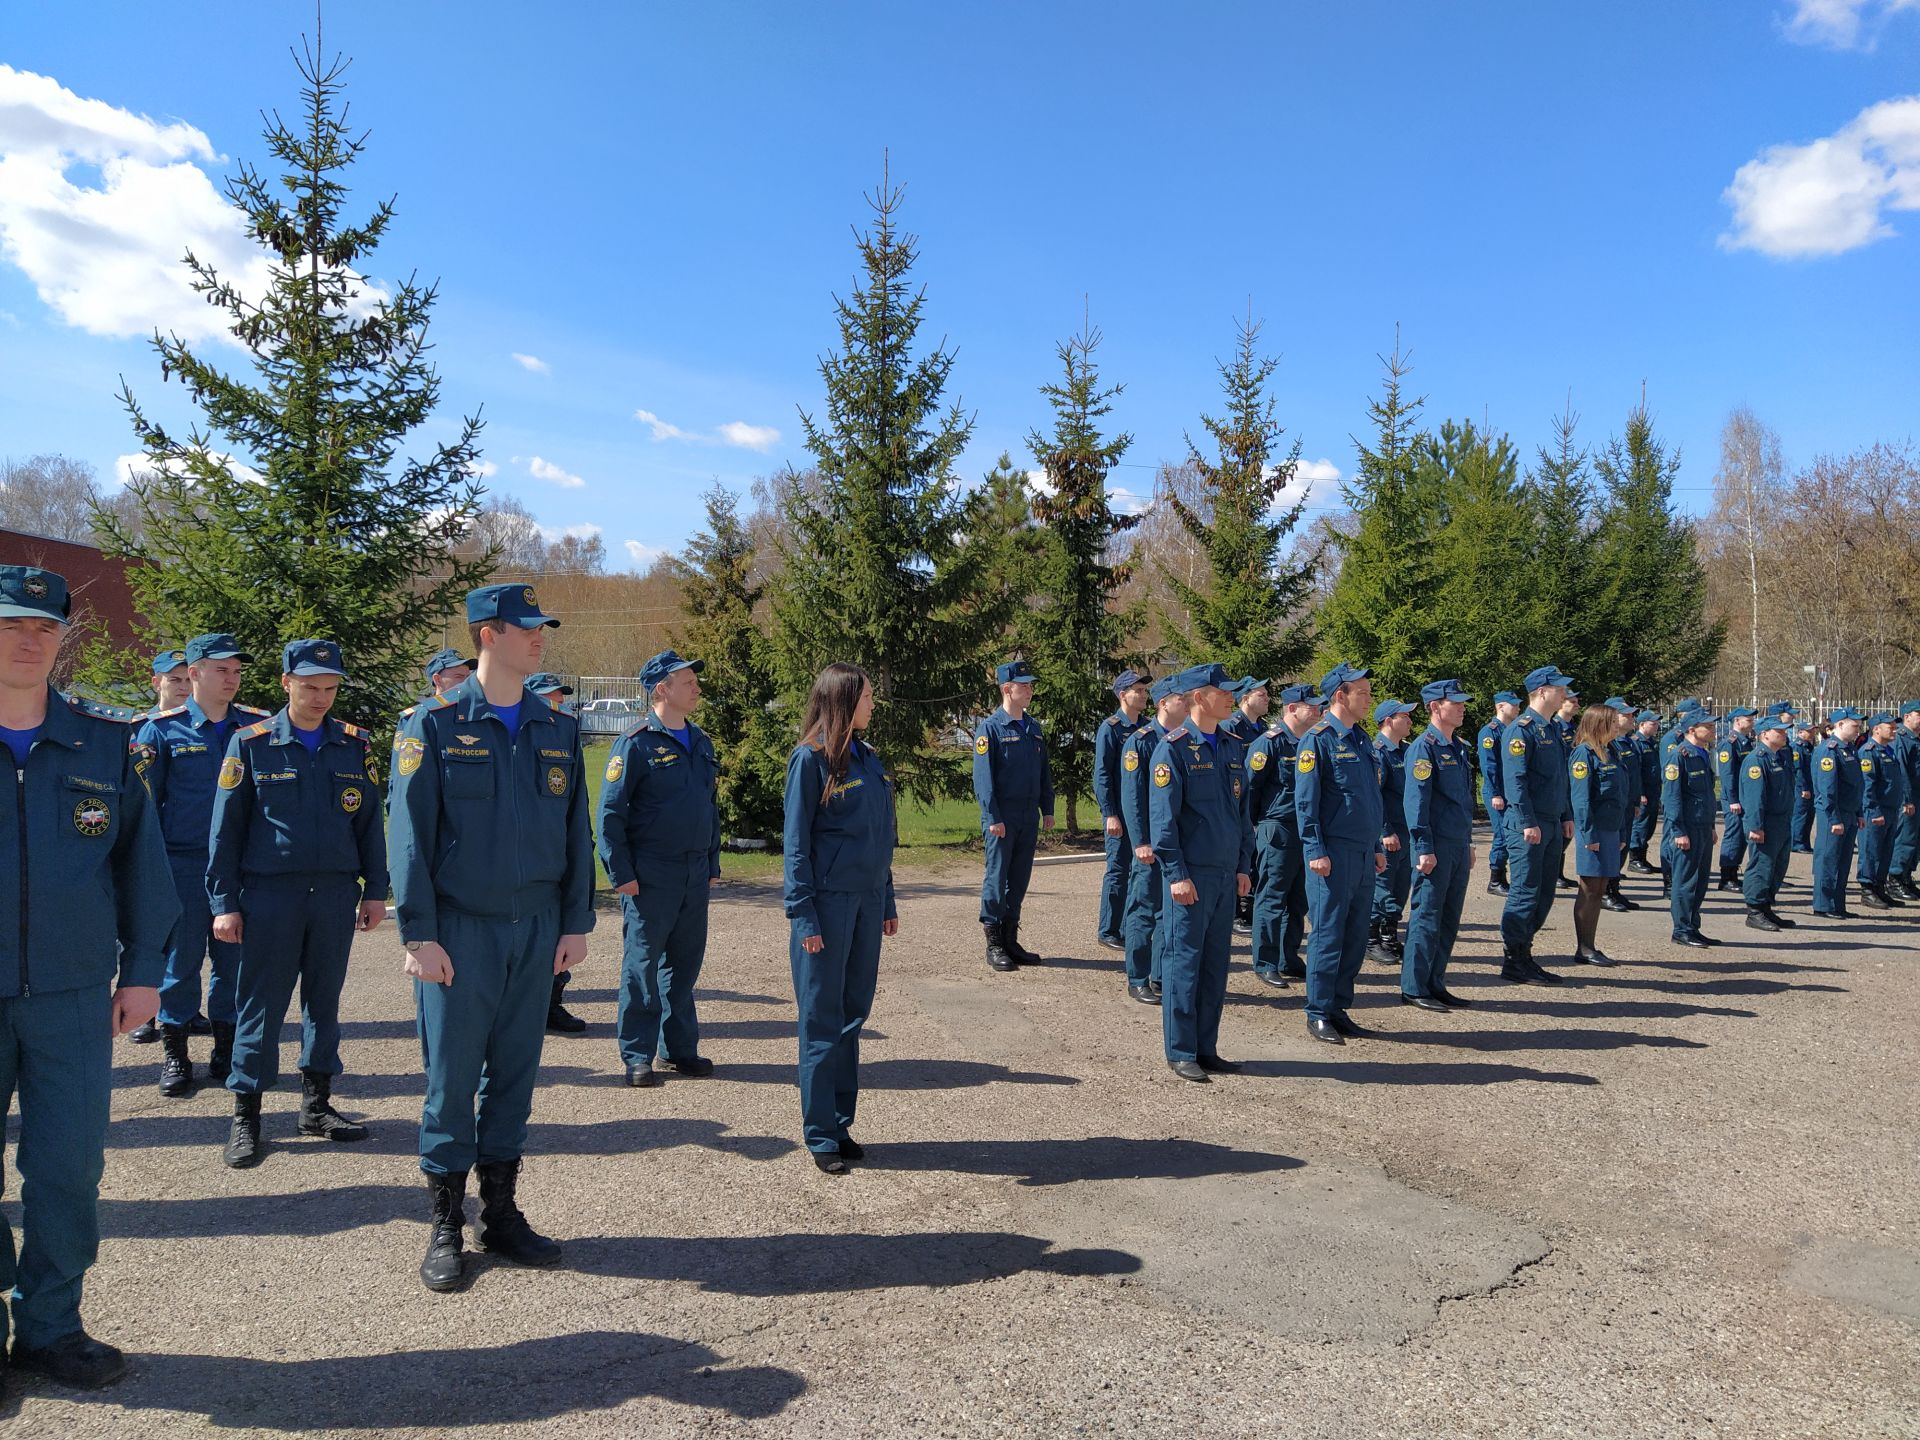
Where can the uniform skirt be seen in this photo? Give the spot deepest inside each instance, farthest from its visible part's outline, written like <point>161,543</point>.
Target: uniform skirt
<point>1604,862</point>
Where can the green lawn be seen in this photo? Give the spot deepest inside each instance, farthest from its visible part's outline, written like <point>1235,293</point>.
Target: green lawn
<point>928,834</point>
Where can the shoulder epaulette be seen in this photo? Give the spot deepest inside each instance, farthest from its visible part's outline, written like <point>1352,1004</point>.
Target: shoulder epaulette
<point>355,731</point>
<point>1318,726</point>
<point>407,714</point>
<point>440,702</point>
<point>168,714</point>
<point>119,714</point>
<point>1113,719</point>
<point>1527,718</point>
<point>254,732</point>
<point>253,710</point>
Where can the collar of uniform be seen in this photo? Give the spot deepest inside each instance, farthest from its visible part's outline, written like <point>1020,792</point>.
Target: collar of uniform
<point>282,731</point>
<point>1334,723</point>
<point>471,701</point>
<point>62,726</point>
<point>197,715</point>
<point>652,721</point>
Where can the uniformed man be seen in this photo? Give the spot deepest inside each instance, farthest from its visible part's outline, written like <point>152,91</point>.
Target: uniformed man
<point>1203,848</point>
<point>1688,807</point>
<point>89,903</point>
<point>1565,720</point>
<point>1731,758</point>
<point>1539,820</point>
<point>560,1020</point>
<point>1252,699</point>
<point>1337,799</point>
<point>447,671</point>
<point>1647,750</point>
<point>1013,783</point>
<point>1767,787</point>
<point>180,751</point>
<point>660,843</point>
<point>1131,688</point>
<point>170,690</point>
<point>299,864</point>
<point>492,858</point>
<point>1506,706</point>
<point>1279,864</point>
<point>1674,736</point>
<point>1837,795</point>
<point>1392,723</point>
<point>1438,805</point>
<point>1803,745</point>
<point>1145,926</point>
<point>1906,841</point>
<point>1883,796</point>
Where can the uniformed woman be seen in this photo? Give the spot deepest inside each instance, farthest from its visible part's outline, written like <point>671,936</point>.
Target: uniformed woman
<point>839,899</point>
<point>1601,789</point>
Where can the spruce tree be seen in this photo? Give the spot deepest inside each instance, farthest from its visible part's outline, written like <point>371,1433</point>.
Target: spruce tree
<point>738,710</point>
<point>1483,549</point>
<point>1078,634</point>
<point>878,566</point>
<point>1248,611</point>
<point>1651,638</point>
<point>1384,612</point>
<point>1559,582</point>
<point>287,510</point>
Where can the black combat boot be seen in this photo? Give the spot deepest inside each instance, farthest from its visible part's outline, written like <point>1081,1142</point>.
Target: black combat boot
<point>1870,899</point>
<point>1243,914</point>
<point>220,1058</point>
<point>1759,919</point>
<point>503,1229</point>
<point>1010,933</point>
<point>1908,890</point>
<point>1377,944</point>
<point>1727,881</point>
<point>444,1268</point>
<point>1638,861</point>
<point>1774,915</point>
<point>243,1140</point>
<point>1887,895</point>
<point>176,1067</point>
<point>997,955</point>
<point>1612,899</point>
<point>317,1115</point>
<point>1390,937</point>
<point>561,1020</point>
<point>1497,880</point>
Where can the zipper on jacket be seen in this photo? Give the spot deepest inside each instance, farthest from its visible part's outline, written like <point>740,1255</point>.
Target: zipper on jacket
<point>20,809</point>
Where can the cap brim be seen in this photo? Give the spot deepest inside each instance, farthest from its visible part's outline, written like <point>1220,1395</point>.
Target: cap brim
<point>309,668</point>
<point>28,612</point>
<point>239,655</point>
<point>529,622</point>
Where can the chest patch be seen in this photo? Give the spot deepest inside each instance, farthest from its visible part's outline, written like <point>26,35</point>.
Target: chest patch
<point>556,780</point>
<point>352,797</point>
<point>91,817</point>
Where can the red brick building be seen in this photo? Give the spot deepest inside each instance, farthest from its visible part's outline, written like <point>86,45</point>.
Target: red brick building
<point>102,603</point>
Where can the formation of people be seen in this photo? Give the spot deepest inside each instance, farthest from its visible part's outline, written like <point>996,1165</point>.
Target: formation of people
<point>214,842</point>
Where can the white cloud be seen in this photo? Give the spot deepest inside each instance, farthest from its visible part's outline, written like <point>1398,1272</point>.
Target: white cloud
<point>1833,194</point>
<point>533,363</point>
<point>1842,24</point>
<point>483,469</point>
<point>552,533</point>
<point>98,207</point>
<point>546,470</point>
<point>127,468</point>
<point>1037,480</point>
<point>1128,502</point>
<point>737,433</point>
<point>749,437</point>
<point>1309,476</point>
<point>642,554</point>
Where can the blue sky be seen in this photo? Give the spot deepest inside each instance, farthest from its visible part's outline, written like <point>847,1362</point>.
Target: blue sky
<point>651,206</point>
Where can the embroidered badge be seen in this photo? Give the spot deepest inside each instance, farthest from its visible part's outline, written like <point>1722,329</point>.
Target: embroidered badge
<point>1866,766</point>
<point>1306,762</point>
<point>408,752</point>
<point>980,745</point>
<point>352,798</point>
<point>1236,787</point>
<point>1753,772</point>
<point>1130,761</point>
<point>1422,769</point>
<point>232,771</point>
<point>1516,746</point>
<point>1826,762</point>
<point>1163,775</point>
<point>35,587</point>
<point>1579,769</point>
<point>1672,772</point>
<point>1486,743</point>
<point>527,595</point>
<point>616,767</point>
<point>91,817</point>
<point>1257,760</point>
<point>1726,757</point>
<point>556,780</point>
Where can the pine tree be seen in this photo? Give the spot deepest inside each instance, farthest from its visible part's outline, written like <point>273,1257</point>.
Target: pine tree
<point>738,709</point>
<point>1490,524</point>
<point>1248,612</point>
<point>878,567</point>
<point>1559,583</point>
<point>1078,633</point>
<point>288,511</point>
<point>1384,610</point>
<point>1648,598</point>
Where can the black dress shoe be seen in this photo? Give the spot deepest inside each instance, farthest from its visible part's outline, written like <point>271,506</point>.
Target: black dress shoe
<point>1497,887</point>
<point>829,1161</point>
<point>1561,882</point>
<point>852,1149</point>
<point>1271,977</point>
<point>1760,920</point>
<point>1293,972</point>
<point>1782,921</point>
<point>1594,957</point>
<point>1323,1030</point>
<point>1448,998</point>
<point>641,1077</point>
<point>76,1359</point>
<point>1615,904</point>
<point>1145,994</point>
<point>1344,1024</point>
<point>696,1067</point>
<point>1214,1065</point>
<point>1706,940</point>
<point>144,1034</point>
<point>1154,985</point>
<point>1516,974</point>
<point>1110,942</point>
<point>1188,1070</point>
<point>1691,941</point>
<point>1426,1002</point>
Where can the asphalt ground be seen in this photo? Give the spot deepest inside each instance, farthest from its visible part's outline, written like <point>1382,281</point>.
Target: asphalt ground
<point>1675,1198</point>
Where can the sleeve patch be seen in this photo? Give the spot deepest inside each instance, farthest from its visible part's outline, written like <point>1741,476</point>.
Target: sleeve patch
<point>1306,762</point>
<point>616,765</point>
<point>1753,772</point>
<point>1163,775</point>
<point>232,771</point>
<point>1422,768</point>
<point>1672,772</point>
<point>1130,761</point>
<point>1826,762</point>
<point>1486,742</point>
<point>1516,746</point>
<point>1257,760</point>
<point>980,744</point>
<point>1579,769</point>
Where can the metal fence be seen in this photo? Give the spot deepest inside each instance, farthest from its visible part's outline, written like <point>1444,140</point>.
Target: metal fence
<point>607,704</point>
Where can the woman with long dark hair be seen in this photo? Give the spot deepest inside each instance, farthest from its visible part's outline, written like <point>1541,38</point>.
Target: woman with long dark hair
<point>1600,787</point>
<point>839,901</point>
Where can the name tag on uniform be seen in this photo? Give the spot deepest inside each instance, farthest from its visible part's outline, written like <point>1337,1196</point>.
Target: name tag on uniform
<point>556,754</point>
<point>189,749</point>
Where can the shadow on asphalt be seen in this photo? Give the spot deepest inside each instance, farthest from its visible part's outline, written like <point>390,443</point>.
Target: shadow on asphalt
<point>904,1074</point>
<point>1500,1040</point>
<point>435,1390</point>
<point>774,1265</point>
<point>1062,1162</point>
<point>605,1137</point>
<point>1412,1072</point>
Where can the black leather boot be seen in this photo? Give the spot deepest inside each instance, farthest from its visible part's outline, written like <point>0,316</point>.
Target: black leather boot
<point>444,1268</point>
<point>561,1020</point>
<point>1638,862</point>
<point>243,1140</point>
<point>1377,945</point>
<point>997,955</point>
<point>317,1115</point>
<point>220,1058</point>
<point>503,1229</point>
<point>1612,899</point>
<point>1497,880</point>
<point>176,1067</point>
<point>1870,899</point>
<point>1759,919</point>
<point>1021,955</point>
<point>1243,914</point>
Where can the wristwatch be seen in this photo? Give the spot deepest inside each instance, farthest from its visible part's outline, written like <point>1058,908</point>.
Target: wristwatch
<point>413,945</point>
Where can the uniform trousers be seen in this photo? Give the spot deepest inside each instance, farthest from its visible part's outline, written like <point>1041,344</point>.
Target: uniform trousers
<point>295,929</point>
<point>1194,981</point>
<point>1433,921</point>
<point>663,941</point>
<point>1340,906</point>
<point>834,990</point>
